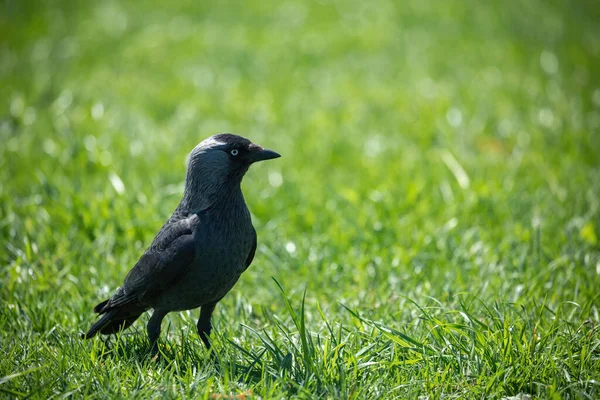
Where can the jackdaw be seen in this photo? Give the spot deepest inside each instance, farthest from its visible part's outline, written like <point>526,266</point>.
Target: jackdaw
<point>200,252</point>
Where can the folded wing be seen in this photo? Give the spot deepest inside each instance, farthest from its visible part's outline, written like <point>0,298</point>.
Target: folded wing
<point>163,264</point>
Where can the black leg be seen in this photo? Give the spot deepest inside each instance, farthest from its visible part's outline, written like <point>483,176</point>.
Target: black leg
<point>204,325</point>
<point>154,328</point>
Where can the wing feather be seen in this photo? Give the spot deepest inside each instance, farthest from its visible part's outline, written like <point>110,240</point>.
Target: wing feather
<point>252,252</point>
<point>165,262</point>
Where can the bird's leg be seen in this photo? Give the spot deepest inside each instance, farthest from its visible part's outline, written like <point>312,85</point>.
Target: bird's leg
<point>154,328</point>
<point>204,325</point>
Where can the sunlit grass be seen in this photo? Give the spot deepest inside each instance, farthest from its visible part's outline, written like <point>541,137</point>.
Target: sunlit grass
<point>432,227</point>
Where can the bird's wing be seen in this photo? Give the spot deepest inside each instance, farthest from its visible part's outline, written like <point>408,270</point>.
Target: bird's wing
<point>252,251</point>
<point>166,261</point>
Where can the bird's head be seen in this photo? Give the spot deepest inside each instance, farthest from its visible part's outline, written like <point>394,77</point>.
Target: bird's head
<point>219,163</point>
<point>226,156</point>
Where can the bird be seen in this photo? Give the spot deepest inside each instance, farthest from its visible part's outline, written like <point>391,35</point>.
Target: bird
<point>200,252</point>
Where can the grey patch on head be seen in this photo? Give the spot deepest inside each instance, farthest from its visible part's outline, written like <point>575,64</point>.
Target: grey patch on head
<point>231,139</point>
<point>219,142</point>
<point>207,144</point>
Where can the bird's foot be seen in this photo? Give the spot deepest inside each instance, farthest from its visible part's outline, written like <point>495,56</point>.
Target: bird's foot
<point>154,353</point>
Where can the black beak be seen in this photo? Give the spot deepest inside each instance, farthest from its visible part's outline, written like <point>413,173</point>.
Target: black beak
<point>257,153</point>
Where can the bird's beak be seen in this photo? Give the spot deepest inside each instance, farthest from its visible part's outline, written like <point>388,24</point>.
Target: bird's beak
<point>258,153</point>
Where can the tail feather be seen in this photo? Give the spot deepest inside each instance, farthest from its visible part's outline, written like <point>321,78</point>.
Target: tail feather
<point>105,320</point>
<point>119,324</point>
<point>111,322</point>
<point>99,307</point>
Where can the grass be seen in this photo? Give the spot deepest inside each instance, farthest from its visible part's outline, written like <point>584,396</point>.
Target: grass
<point>431,231</point>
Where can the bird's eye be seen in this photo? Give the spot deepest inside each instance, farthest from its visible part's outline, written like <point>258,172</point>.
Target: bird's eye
<point>234,152</point>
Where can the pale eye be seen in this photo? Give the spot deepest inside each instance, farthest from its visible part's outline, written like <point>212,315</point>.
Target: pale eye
<point>234,152</point>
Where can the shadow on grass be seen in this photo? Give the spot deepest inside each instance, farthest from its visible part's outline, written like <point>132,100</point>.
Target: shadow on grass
<point>182,357</point>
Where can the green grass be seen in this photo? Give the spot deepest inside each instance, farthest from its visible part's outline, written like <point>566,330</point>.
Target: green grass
<point>432,227</point>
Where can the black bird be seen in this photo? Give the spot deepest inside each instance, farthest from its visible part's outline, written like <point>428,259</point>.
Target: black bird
<point>200,252</point>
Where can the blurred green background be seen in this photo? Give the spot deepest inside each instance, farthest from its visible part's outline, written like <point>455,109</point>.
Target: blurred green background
<point>432,150</point>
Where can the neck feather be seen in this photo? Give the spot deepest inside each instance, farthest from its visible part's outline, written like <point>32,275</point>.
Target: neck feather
<point>200,195</point>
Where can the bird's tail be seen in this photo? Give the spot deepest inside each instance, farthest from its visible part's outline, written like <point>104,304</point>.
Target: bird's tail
<point>111,322</point>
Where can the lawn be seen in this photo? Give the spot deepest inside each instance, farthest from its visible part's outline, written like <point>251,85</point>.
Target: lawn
<point>431,231</point>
